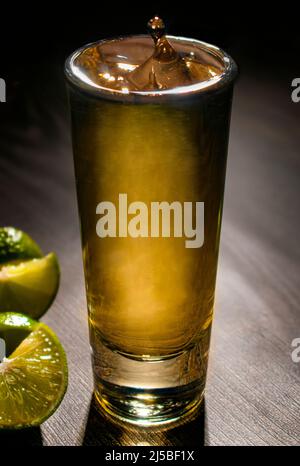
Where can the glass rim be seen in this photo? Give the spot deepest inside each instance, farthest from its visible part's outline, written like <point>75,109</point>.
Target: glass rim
<point>227,76</point>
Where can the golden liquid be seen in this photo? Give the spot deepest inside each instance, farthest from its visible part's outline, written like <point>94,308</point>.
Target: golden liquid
<point>150,297</point>
<point>150,120</point>
<point>123,76</point>
<point>131,65</point>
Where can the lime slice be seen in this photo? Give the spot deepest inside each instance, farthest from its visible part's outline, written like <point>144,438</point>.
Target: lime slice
<point>34,378</point>
<point>16,244</point>
<point>29,286</point>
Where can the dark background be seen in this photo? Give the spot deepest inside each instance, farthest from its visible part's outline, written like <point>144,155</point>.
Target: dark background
<point>253,395</point>
<point>36,38</point>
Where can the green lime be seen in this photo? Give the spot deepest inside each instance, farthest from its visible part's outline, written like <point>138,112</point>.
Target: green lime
<point>16,244</point>
<point>29,286</point>
<point>34,377</point>
<point>14,328</point>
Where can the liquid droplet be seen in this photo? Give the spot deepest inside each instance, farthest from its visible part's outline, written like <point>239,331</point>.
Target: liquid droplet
<point>163,50</point>
<point>165,69</point>
<point>156,28</point>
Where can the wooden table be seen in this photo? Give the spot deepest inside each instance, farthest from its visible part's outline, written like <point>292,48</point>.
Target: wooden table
<point>253,394</point>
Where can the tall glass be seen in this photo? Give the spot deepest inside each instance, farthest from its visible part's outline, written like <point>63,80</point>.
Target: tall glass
<point>150,172</point>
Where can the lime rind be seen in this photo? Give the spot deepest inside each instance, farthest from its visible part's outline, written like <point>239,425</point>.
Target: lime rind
<point>14,328</point>
<point>15,244</point>
<point>13,320</point>
<point>33,380</point>
<point>34,375</point>
<point>29,286</point>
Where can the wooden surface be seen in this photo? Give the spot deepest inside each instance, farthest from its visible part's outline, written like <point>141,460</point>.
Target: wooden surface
<point>253,394</point>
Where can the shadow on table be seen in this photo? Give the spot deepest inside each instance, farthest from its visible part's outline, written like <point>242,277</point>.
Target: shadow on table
<point>100,430</point>
<point>26,437</point>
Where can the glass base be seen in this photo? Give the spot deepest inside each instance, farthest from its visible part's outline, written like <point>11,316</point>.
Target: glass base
<point>152,392</point>
<point>148,408</point>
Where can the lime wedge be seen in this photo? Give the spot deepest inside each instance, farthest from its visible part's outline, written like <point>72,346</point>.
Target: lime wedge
<point>29,286</point>
<point>16,244</point>
<point>34,378</point>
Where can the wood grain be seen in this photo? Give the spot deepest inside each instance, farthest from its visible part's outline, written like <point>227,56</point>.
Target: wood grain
<point>253,394</point>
